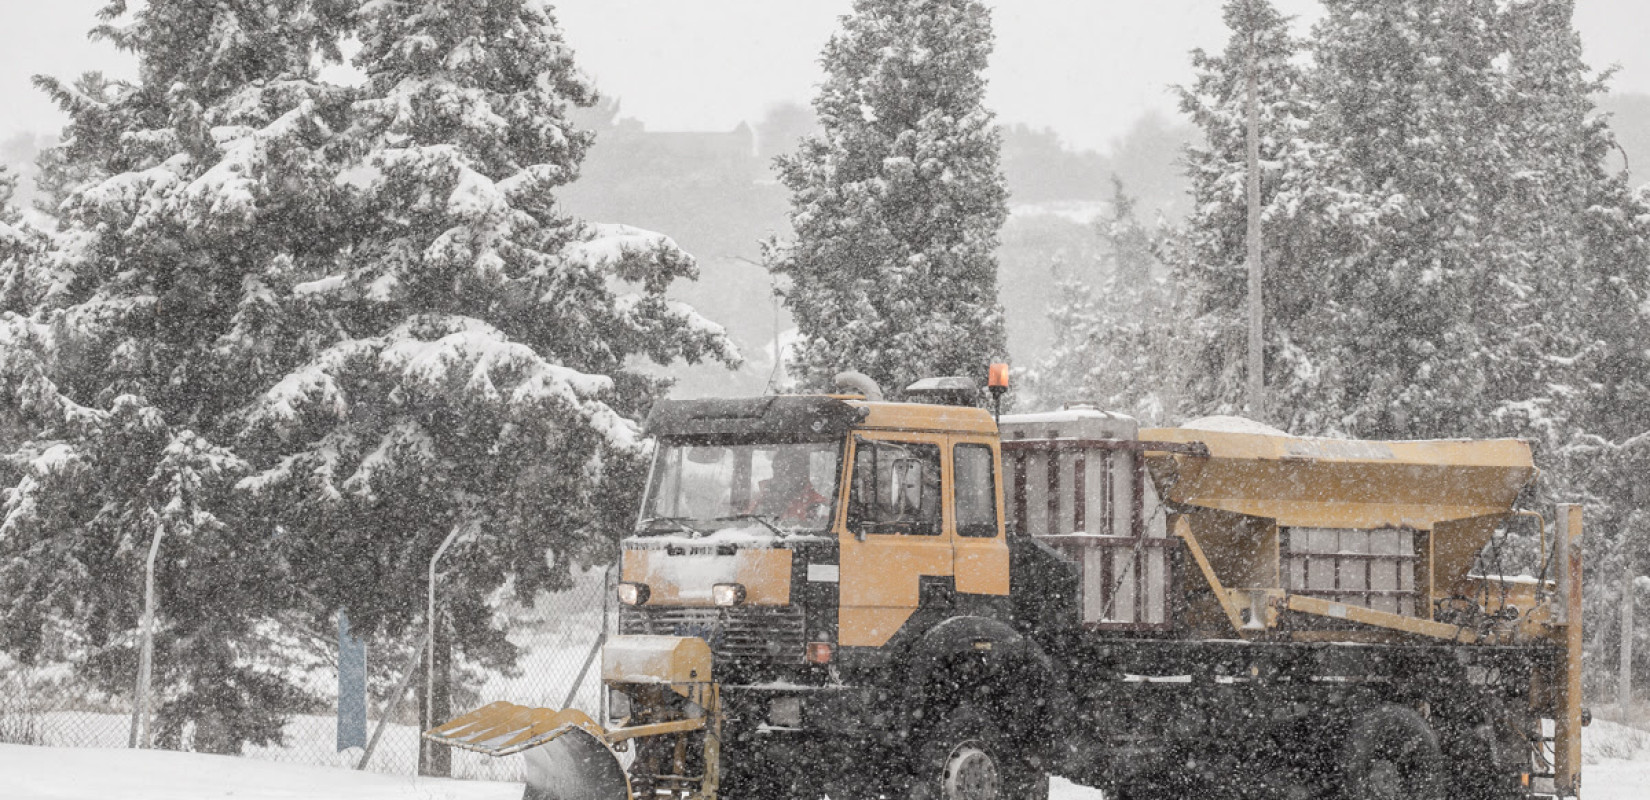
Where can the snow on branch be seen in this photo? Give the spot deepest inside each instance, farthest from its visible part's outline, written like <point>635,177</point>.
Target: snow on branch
<point>612,247</point>
<point>22,503</point>
<point>402,438</point>
<point>463,360</point>
<point>230,188</point>
<point>25,382</point>
<point>471,361</point>
<point>136,197</point>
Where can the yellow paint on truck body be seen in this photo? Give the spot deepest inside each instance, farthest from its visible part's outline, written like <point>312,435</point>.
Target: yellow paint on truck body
<point>1455,491</point>
<point>671,660</point>
<point>686,578</point>
<point>881,574</point>
<point>925,418</point>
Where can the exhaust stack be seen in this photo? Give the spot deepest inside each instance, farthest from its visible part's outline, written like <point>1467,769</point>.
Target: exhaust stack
<point>858,383</point>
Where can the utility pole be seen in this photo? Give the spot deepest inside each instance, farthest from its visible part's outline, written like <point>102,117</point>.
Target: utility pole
<point>1256,363</point>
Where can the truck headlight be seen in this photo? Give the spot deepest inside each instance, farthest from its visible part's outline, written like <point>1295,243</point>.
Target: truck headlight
<point>727,594</point>
<point>634,594</point>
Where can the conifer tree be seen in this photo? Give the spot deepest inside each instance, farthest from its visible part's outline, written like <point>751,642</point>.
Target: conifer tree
<point>194,189</point>
<point>1583,259</point>
<point>1412,95</point>
<point>14,244</point>
<point>477,379</point>
<point>1116,342</point>
<point>896,204</point>
<point>1426,189</point>
<point>1208,260</point>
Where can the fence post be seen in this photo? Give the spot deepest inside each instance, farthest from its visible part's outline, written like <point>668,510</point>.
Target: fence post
<point>1624,691</point>
<point>142,735</point>
<point>609,597</point>
<point>435,760</point>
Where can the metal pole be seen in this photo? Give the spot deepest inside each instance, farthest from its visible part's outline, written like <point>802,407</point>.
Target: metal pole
<point>590,658</point>
<point>1256,361</point>
<point>393,704</point>
<point>142,735</point>
<point>1567,722</point>
<point>1624,691</point>
<point>608,598</point>
<point>429,642</point>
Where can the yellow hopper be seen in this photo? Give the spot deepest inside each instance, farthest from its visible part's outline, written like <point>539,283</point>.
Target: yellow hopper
<point>1452,492</point>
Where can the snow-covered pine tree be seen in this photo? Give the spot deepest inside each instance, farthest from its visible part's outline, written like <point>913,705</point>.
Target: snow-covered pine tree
<point>479,377</point>
<point>897,203</point>
<point>187,196</point>
<point>1423,200</point>
<point>15,245</point>
<point>15,239</point>
<point>1117,341</point>
<point>1415,99</point>
<point>1582,251</point>
<point>1207,257</point>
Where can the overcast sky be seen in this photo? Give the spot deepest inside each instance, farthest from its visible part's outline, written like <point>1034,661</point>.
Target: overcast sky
<point>1087,68</point>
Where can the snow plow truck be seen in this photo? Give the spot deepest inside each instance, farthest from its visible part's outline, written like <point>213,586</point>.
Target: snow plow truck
<point>836,595</point>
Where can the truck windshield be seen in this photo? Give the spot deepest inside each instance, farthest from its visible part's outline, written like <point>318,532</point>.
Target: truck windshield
<point>698,488</point>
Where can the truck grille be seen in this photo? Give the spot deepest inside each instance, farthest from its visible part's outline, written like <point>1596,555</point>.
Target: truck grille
<point>756,634</point>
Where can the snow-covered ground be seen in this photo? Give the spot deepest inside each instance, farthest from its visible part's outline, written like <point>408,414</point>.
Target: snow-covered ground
<point>1617,768</point>
<point>61,773</point>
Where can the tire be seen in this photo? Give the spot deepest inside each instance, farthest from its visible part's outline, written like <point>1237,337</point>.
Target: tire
<point>1391,754</point>
<point>965,757</point>
<point>1485,751</point>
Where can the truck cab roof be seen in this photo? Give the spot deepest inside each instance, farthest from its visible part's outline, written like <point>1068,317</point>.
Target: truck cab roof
<point>809,416</point>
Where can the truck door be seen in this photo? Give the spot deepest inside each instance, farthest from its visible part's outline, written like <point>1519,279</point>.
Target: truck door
<point>976,497</point>
<point>896,533</point>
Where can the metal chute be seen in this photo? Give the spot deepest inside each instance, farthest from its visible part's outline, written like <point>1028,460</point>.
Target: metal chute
<point>568,755</point>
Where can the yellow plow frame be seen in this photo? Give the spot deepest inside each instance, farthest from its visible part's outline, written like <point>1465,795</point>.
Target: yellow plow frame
<point>571,757</point>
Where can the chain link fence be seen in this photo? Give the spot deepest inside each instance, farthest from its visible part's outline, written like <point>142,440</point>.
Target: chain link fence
<point>558,635</point>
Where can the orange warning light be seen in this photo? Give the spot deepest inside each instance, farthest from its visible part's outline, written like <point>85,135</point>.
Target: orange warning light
<point>998,378</point>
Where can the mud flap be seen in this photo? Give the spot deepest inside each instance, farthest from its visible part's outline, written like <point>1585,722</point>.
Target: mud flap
<point>567,754</point>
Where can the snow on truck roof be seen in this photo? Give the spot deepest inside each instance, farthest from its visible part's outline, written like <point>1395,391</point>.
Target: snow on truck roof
<point>1228,424</point>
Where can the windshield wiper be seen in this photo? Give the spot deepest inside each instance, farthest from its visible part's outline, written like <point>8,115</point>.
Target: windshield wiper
<point>758,517</point>
<point>679,522</point>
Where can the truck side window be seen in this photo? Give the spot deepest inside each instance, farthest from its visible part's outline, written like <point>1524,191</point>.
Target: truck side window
<point>896,488</point>
<point>976,490</point>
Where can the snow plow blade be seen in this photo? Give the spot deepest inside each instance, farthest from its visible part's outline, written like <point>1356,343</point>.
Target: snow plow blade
<point>567,753</point>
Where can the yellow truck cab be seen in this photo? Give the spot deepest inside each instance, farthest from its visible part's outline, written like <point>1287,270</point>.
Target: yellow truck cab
<point>902,500</point>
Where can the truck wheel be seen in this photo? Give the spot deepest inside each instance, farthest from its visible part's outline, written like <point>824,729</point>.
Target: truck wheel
<point>965,757</point>
<point>1484,751</point>
<point>1391,754</point>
